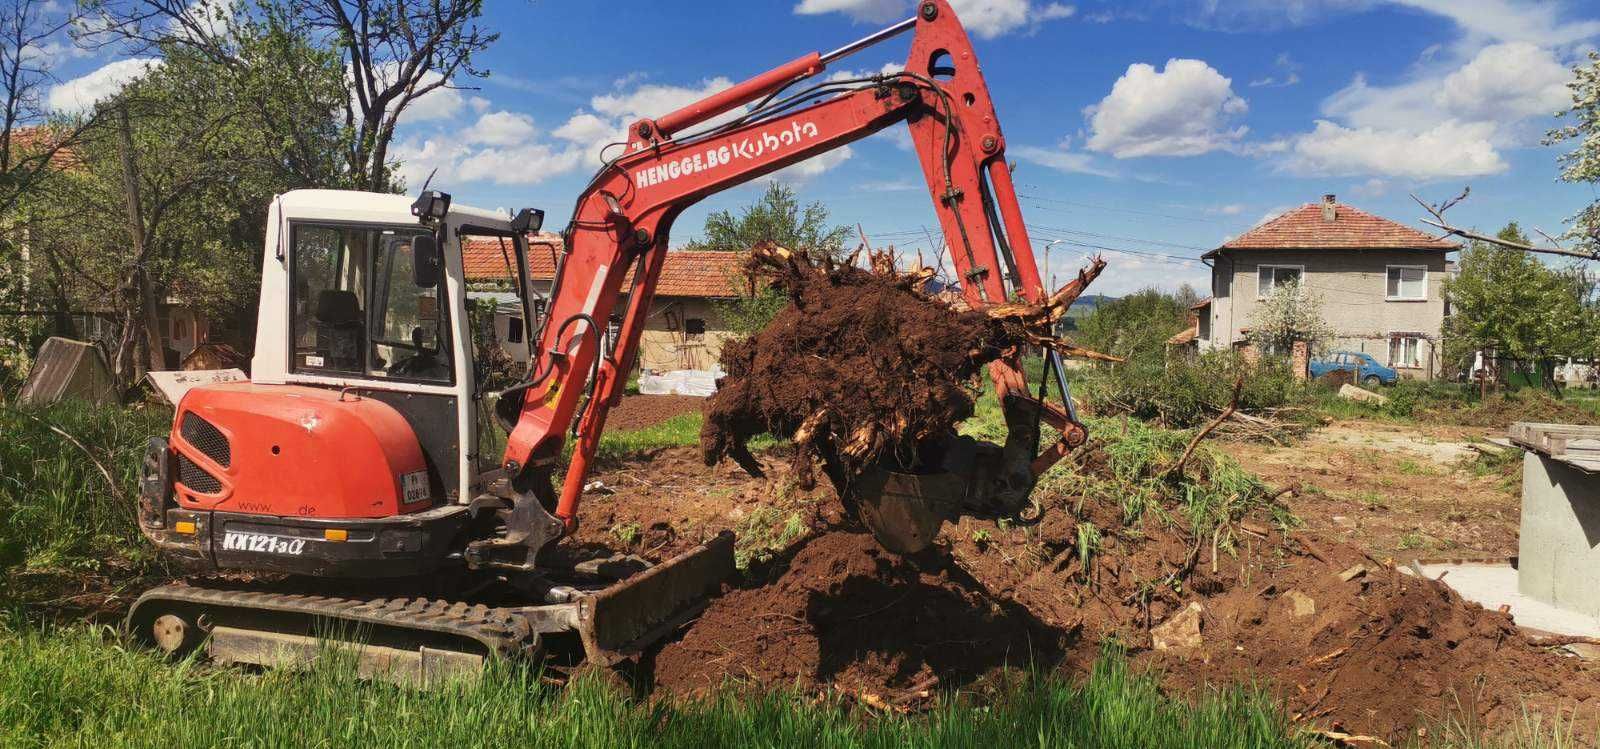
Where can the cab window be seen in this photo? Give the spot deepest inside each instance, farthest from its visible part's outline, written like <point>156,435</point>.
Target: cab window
<point>357,309</point>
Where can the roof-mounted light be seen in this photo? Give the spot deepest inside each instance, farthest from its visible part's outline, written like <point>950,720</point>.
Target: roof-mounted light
<point>431,206</point>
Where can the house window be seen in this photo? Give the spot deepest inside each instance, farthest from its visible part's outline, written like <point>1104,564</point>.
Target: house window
<point>1405,351</point>
<point>694,328</point>
<point>1269,277</point>
<point>513,330</point>
<point>1408,282</point>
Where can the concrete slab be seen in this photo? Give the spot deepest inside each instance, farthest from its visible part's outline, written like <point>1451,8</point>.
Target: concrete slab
<point>1495,585</point>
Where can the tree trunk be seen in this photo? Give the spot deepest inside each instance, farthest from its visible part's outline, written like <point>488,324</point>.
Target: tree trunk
<point>140,325</point>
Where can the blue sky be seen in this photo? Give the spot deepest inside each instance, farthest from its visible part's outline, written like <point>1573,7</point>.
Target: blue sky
<point>1158,129</point>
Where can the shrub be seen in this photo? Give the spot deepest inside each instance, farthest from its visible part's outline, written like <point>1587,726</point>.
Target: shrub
<point>1181,394</point>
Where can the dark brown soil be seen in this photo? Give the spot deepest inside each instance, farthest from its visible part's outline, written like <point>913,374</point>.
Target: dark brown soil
<point>640,411</point>
<point>846,613</point>
<point>864,363</point>
<point>1380,653</point>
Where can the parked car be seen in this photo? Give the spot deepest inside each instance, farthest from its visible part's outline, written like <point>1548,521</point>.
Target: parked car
<point>1366,369</point>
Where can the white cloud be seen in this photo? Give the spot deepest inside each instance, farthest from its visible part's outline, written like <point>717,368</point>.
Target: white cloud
<point>1447,120</point>
<point>1183,110</point>
<point>1507,82</point>
<point>1511,20</point>
<point>1061,160</point>
<point>1448,149</point>
<point>1231,209</point>
<point>1288,74</point>
<point>520,165</point>
<point>986,19</point>
<point>81,93</point>
<point>1372,188</point>
<point>501,129</point>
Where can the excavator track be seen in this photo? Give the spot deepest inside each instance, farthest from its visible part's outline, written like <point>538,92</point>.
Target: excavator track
<point>408,640</point>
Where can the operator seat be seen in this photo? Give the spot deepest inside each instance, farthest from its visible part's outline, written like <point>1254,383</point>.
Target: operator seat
<point>340,333</point>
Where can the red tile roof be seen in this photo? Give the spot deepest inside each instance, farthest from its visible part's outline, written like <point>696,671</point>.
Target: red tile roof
<point>685,273</point>
<point>36,139</point>
<point>1351,228</point>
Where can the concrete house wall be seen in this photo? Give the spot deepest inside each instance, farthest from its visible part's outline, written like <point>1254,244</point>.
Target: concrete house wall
<point>1344,256</point>
<point>1353,286</point>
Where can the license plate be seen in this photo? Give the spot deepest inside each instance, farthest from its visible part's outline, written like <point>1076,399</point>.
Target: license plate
<point>414,486</point>
<point>263,543</point>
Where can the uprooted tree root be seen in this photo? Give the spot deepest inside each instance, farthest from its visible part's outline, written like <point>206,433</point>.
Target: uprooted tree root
<point>865,363</point>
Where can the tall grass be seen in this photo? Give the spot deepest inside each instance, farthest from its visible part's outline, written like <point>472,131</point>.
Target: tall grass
<point>76,687</point>
<point>58,512</point>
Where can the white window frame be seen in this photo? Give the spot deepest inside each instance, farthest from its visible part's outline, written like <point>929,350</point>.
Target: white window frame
<point>1275,266</point>
<point>1397,298</point>
<point>1416,351</point>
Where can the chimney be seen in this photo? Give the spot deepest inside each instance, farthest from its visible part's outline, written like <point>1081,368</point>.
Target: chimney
<point>1329,207</point>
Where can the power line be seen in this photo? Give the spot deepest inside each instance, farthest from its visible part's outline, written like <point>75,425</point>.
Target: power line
<point>1114,209</point>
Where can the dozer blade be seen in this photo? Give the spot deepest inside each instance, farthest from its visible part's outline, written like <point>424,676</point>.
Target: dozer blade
<point>904,511</point>
<point>621,620</point>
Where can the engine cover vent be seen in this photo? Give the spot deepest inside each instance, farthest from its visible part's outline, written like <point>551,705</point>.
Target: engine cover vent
<point>195,477</point>
<point>200,433</point>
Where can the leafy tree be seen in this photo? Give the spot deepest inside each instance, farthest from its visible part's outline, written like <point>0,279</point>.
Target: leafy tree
<point>1289,314</point>
<point>395,51</point>
<point>1135,326</point>
<point>198,148</point>
<point>1582,163</point>
<point>1505,300</point>
<point>776,217</point>
<point>779,218</point>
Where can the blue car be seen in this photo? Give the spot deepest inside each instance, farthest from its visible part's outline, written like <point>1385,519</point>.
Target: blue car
<point>1366,369</point>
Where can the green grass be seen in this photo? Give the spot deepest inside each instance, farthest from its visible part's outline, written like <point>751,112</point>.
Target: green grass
<point>78,687</point>
<point>682,430</point>
<point>58,514</point>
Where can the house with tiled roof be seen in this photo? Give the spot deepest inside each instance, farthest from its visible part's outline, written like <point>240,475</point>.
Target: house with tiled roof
<point>1381,282</point>
<point>684,330</point>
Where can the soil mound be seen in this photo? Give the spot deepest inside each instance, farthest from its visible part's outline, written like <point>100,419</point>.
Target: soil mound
<point>845,613</point>
<point>640,411</point>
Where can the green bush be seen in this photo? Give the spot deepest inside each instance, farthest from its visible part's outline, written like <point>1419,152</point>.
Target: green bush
<point>58,514</point>
<point>1183,393</point>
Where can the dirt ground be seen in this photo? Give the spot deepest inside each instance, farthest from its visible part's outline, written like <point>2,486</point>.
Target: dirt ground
<point>640,411</point>
<point>1395,491</point>
<point>1345,639</point>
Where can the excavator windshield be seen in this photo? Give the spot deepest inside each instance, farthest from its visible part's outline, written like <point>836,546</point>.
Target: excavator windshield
<point>356,309</point>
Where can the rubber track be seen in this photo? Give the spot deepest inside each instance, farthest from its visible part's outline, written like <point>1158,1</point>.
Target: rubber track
<point>498,630</point>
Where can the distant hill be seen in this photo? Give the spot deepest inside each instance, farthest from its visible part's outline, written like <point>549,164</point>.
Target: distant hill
<point>1087,303</point>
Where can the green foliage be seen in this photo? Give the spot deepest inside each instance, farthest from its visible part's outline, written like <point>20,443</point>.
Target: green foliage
<point>58,516</point>
<point>78,687</point>
<point>1136,326</point>
<point>1186,393</point>
<point>747,315</point>
<point>213,140</point>
<point>1582,163</point>
<point>1507,300</point>
<point>777,217</point>
<point>1290,313</point>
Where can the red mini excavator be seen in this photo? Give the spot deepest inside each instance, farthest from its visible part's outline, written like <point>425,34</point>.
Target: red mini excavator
<point>370,475</point>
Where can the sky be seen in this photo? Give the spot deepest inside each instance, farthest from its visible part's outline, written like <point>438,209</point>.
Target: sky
<point>1150,132</point>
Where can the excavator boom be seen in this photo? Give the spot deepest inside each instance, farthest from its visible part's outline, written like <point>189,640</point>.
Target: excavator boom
<point>623,218</point>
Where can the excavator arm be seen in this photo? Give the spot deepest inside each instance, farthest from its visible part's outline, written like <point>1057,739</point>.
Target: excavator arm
<point>617,239</point>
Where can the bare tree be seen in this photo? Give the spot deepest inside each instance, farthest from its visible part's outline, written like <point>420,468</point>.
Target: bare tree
<point>1439,221</point>
<point>28,29</point>
<point>395,52</point>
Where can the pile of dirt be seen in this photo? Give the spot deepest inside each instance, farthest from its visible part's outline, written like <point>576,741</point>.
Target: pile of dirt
<point>862,364</point>
<point>640,411</point>
<point>846,614</point>
<point>1343,639</point>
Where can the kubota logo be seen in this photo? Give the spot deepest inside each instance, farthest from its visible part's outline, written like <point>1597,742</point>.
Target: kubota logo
<point>755,146</point>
